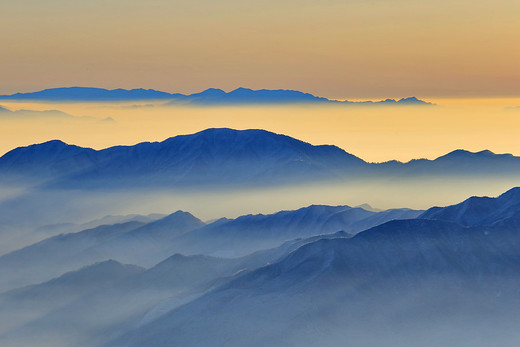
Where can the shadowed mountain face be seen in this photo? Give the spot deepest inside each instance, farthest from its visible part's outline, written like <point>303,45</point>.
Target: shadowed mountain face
<point>72,285</point>
<point>50,159</point>
<point>114,297</point>
<point>212,96</point>
<point>131,242</point>
<point>481,211</point>
<point>213,156</point>
<point>146,244</point>
<point>403,249</point>
<point>416,282</point>
<point>28,303</point>
<point>246,234</point>
<point>225,157</point>
<point>398,278</point>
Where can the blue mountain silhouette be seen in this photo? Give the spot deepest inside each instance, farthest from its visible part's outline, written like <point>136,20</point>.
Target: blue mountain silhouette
<point>210,96</point>
<point>227,157</point>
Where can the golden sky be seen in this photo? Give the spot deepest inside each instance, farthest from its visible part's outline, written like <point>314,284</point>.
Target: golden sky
<point>347,49</point>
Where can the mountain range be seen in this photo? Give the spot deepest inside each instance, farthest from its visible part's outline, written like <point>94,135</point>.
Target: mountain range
<point>147,243</point>
<point>226,157</point>
<point>420,282</point>
<point>212,96</point>
<point>320,275</point>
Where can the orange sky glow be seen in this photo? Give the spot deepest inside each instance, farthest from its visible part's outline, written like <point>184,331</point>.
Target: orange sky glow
<point>337,49</point>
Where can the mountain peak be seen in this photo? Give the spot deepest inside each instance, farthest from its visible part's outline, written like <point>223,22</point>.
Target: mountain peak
<point>413,100</point>
<point>54,142</point>
<point>179,217</point>
<point>485,152</point>
<point>209,92</point>
<point>47,146</point>
<point>242,89</point>
<point>464,154</point>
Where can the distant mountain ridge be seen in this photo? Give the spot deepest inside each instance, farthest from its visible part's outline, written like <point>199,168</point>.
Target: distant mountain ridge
<point>395,274</point>
<point>147,243</point>
<point>212,155</point>
<point>211,96</point>
<point>481,211</point>
<point>226,157</point>
<point>457,264</point>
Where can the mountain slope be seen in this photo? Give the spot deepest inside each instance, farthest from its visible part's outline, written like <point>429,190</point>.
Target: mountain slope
<point>456,163</point>
<point>480,211</point>
<point>111,298</point>
<point>52,159</point>
<point>131,242</point>
<point>212,156</point>
<point>23,305</point>
<point>226,157</point>
<point>402,278</point>
<point>249,233</point>
<point>146,244</point>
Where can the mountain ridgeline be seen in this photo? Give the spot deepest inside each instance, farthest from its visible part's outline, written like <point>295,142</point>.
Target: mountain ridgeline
<point>319,275</point>
<point>226,157</point>
<point>421,282</point>
<point>146,244</point>
<point>211,96</point>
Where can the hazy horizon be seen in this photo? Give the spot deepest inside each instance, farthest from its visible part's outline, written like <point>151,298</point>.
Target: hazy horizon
<point>375,134</point>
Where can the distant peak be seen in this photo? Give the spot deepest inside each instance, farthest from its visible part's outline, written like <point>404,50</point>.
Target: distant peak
<point>463,154</point>
<point>367,207</point>
<point>178,216</point>
<point>413,100</point>
<point>485,152</point>
<point>213,91</point>
<point>52,146</point>
<point>242,89</point>
<point>180,213</point>
<point>458,152</point>
<point>53,143</point>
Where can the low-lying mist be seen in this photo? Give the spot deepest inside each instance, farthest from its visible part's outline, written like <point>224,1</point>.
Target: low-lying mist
<point>32,209</point>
